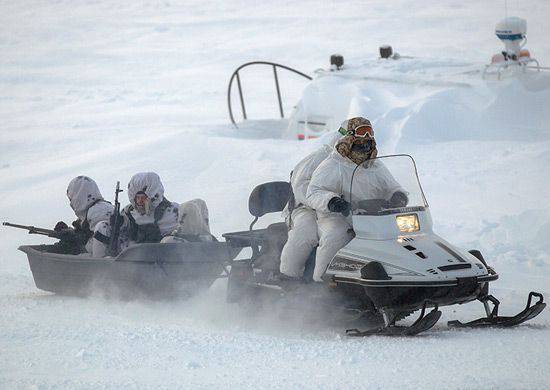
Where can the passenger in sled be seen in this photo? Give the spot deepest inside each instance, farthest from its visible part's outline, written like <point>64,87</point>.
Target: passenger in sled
<point>93,214</point>
<point>193,223</point>
<point>135,260</point>
<point>151,218</point>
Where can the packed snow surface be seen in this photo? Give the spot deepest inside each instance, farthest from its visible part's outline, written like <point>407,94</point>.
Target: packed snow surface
<point>108,89</point>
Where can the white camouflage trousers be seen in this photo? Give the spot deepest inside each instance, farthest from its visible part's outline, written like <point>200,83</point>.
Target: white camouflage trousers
<point>334,234</point>
<point>302,239</point>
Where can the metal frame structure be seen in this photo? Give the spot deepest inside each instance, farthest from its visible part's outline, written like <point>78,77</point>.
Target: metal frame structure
<point>235,75</point>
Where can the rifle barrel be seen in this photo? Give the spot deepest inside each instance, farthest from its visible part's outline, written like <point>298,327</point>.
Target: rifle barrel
<point>32,229</point>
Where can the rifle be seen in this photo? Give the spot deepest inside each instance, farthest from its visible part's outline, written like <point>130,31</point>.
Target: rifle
<point>70,242</point>
<point>116,223</point>
<point>34,230</point>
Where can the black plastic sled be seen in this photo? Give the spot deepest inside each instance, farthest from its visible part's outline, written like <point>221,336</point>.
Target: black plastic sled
<point>145,270</point>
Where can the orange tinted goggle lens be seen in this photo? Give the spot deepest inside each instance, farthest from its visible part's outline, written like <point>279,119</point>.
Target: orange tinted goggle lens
<point>363,131</point>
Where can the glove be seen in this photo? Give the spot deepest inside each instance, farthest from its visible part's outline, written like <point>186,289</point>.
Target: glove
<point>68,235</point>
<point>60,226</point>
<point>69,242</point>
<point>339,205</point>
<point>77,225</point>
<point>398,199</point>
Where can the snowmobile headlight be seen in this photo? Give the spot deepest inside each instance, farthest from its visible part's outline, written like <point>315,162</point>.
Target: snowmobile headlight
<point>408,223</point>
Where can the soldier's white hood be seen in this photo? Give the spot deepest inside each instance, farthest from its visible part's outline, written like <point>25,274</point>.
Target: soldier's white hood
<point>82,192</point>
<point>193,218</point>
<point>150,184</point>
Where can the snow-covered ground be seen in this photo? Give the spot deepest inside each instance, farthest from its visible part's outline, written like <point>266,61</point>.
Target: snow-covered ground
<point>109,89</point>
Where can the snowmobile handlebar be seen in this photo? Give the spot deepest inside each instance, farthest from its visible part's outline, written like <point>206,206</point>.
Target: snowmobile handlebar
<point>33,229</point>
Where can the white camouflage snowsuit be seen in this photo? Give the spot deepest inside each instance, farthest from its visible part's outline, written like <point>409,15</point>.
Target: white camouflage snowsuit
<point>161,214</point>
<point>193,223</point>
<point>302,222</point>
<point>332,179</point>
<point>91,209</point>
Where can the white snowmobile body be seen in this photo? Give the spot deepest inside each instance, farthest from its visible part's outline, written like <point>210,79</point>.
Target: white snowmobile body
<point>419,259</point>
<point>387,255</point>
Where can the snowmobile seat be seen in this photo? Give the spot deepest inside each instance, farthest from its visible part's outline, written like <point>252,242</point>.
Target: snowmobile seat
<point>265,198</point>
<point>268,198</point>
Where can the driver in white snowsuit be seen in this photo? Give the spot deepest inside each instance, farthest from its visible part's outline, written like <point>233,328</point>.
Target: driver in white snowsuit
<point>302,219</point>
<point>329,189</point>
<point>149,216</point>
<point>93,213</point>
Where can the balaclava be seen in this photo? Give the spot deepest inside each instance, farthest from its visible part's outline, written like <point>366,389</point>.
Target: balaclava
<point>358,143</point>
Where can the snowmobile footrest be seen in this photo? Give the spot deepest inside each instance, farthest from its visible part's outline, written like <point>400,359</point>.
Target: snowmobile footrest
<point>493,319</point>
<point>423,323</point>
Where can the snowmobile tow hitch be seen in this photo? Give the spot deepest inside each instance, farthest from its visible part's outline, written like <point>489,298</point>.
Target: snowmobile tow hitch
<point>423,323</point>
<point>493,319</point>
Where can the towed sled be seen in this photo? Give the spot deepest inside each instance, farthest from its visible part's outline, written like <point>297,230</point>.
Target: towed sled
<point>145,270</point>
<point>394,266</point>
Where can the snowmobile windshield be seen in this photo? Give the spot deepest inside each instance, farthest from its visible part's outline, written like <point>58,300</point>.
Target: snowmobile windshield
<point>386,185</point>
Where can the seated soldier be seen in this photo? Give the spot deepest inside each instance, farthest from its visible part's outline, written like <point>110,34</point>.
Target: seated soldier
<point>149,216</point>
<point>301,218</point>
<point>93,214</point>
<point>329,189</point>
<point>193,223</point>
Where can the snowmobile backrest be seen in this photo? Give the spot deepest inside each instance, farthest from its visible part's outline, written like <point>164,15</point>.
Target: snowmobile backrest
<point>268,198</point>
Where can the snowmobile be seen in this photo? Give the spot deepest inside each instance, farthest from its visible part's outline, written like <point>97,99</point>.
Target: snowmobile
<point>395,265</point>
<point>148,270</point>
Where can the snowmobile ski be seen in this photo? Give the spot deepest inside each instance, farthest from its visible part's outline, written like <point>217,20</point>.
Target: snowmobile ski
<point>422,324</point>
<point>493,319</point>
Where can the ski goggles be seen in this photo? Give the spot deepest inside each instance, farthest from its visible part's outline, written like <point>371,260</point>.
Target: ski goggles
<point>362,131</point>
